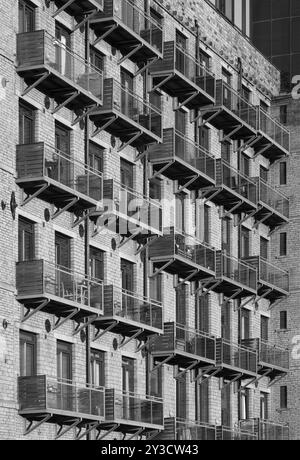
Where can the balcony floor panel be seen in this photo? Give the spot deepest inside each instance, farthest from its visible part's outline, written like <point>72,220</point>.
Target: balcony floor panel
<point>56,193</point>
<point>58,306</point>
<point>124,39</point>
<point>228,372</point>
<point>274,220</point>
<point>79,7</point>
<point>124,127</point>
<point>181,171</point>
<point>227,121</point>
<point>57,86</point>
<point>274,152</point>
<point>276,293</point>
<point>128,426</point>
<point>276,370</point>
<point>229,198</point>
<point>228,287</point>
<point>126,327</point>
<point>182,358</point>
<point>182,267</point>
<point>59,417</point>
<point>181,87</point>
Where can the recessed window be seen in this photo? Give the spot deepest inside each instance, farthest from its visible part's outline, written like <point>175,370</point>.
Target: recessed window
<point>283,244</point>
<point>27,354</point>
<point>26,124</point>
<point>283,397</point>
<point>264,328</point>
<point>26,17</point>
<point>283,173</point>
<point>26,240</point>
<point>283,320</point>
<point>283,114</point>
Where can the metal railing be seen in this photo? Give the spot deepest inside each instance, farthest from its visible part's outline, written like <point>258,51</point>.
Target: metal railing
<point>41,48</point>
<point>238,356</point>
<point>273,129</point>
<point>192,249</point>
<point>42,160</point>
<point>195,431</point>
<point>266,429</point>
<point>233,101</point>
<point>273,275</point>
<point>238,271</point>
<point>236,434</point>
<point>273,198</point>
<point>274,355</point>
<point>46,393</point>
<point>195,71</point>
<point>236,181</point>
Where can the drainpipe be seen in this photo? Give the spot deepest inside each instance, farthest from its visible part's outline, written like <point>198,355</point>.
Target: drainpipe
<point>86,222</point>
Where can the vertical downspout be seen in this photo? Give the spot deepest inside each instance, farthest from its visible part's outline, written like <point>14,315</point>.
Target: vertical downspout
<point>86,230</point>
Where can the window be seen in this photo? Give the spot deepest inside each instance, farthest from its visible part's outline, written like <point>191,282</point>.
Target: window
<point>264,406</point>
<point>244,324</point>
<point>180,213</point>
<point>28,363</point>
<point>62,139</point>
<point>264,106</point>
<point>204,59</point>
<point>180,122</point>
<point>26,17</point>
<point>226,151</point>
<point>283,397</point>
<point>127,102</point>
<point>202,402</point>
<point>96,263</point>
<point>264,328</point>
<point>63,57</point>
<point>244,243</point>
<point>283,244</point>
<point>62,251</point>
<point>263,173</point>
<point>26,240</point>
<point>244,404</point>
<point>226,406</point>
<point>283,114</point>
<point>204,137</point>
<point>226,77</point>
<point>181,397</point>
<point>283,320</point>
<point>96,157</point>
<point>154,379</point>
<point>246,94</point>
<point>97,368</point>
<point>202,314</point>
<point>26,124</point>
<point>127,173</point>
<point>181,40</point>
<point>97,59</point>
<point>127,275</point>
<point>155,189</point>
<point>155,288</point>
<point>245,165</point>
<point>181,305</point>
<point>264,248</point>
<point>206,223</point>
<point>283,173</point>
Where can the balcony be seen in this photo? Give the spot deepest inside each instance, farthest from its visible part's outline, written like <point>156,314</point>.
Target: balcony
<point>128,212</point>
<point>55,401</point>
<point>273,282</point>
<point>274,139</point>
<point>273,206</point>
<point>234,191</point>
<point>129,412</point>
<point>266,430</point>
<point>183,347</point>
<point>235,434</point>
<point>234,278</point>
<point>127,116</point>
<point>128,28</point>
<point>182,76</point>
<point>235,361</point>
<point>273,361</point>
<point>77,8</point>
<point>184,430</point>
<point>129,314</point>
<point>49,174</point>
<point>182,255</point>
<point>56,290</point>
<point>232,114</point>
<point>179,158</point>
<point>48,65</point>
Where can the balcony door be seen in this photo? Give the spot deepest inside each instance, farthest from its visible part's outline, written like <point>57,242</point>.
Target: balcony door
<point>28,354</point>
<point>59,168</point>
<point>127,278</point>
<point>181,397</point>
<point>64,280</point>
<point>181,305</point>
<point>62,51</point>
<point>127,100</point>
<point>128,388</point>
<point>226,406</point>
<point>65,396</point>
<point>181,46</point>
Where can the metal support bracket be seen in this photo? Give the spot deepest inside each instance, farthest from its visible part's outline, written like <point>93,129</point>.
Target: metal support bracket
<point>147,245</point>
<point>263,150</point>
<point>113,428</point>
<point>211,288</point>
<point>185,371</point>
<point>209,119</point>
<point>62,431</point>
<point>187,184</point>
<point>277,302</point>
<point>255,380</point>
<point>105,126</point>
<point>99,334</point>
<point>231,211</point>
<point>124,341</point>
<point>162,170</point>
<point>31,427</point>
<point>163,82</point>
<point>235,379</point>
<point>276,380</point>
<point>248,144</point>
<point>165,361</point>
<point>190,98</point>
<point>126,240</point>
<point>31,312</point>
<point>263,296</point>
<point>85,325</point>
<point>130,54</point>
<point>204,193</point>
<point>106,34</point>
<point>234,296</point>
<point>153,435</point>
<point>92,427</point>
<point>247,217</point>
<point>267,216</point>
<point>62,321</point>
<point>35,194</point>
<point>146,66</point>
<point>137,433</point>
<point>228,136</point>
<point>142,345</point>
<point>130,141</point>
<point>164,267</point>
<point>88,17</point>
<point>194,273</point>
<point>251,299</point>
<point>84,115</point>
<point>71,203</point>
<point>278,227</point>
<point>66,102</point>
<point>36,83</point>
<point>205,374</point>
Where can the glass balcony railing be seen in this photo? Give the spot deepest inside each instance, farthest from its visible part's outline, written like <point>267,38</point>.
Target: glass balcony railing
<point>231,100</point>
<point>195,431</point>
<point>41,393</point>
<point>191,249</point>
<point>39,277</point>
<point>37,161</point>
<point>237,356</point>
<point>130,306</point>
<point>39,49</point>
<point>125,407</point>
<point>273,129</point>
<point>236,181</point>
<point>266,429</point>
<point>273,199</point>
<point>235,434</point>
<point>237,271</point>
<point>274,355</point>
<point>273,275</point>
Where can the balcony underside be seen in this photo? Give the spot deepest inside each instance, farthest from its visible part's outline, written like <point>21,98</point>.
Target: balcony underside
<point>54,192</point>
<point>56,86</point>
<point>225,120</point>
<point>272,370</point>
<point>119,125</point>
<point>129,427</point>
<point>230,373</point>
<point>269,148</point>
<point>59,417</point>
<point>269,216</point>
<point>126,327</point>
<point>175,169</point>
<point>270,292</point>
<point>125,226</point>
<point>124,39</point>
<point>78,7</point>
<point>58,306</point>
<point>229,199</point>
<point>183,268</point>
<point>182,88</point>
<point>230,287</point>
<point>181,359</point>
